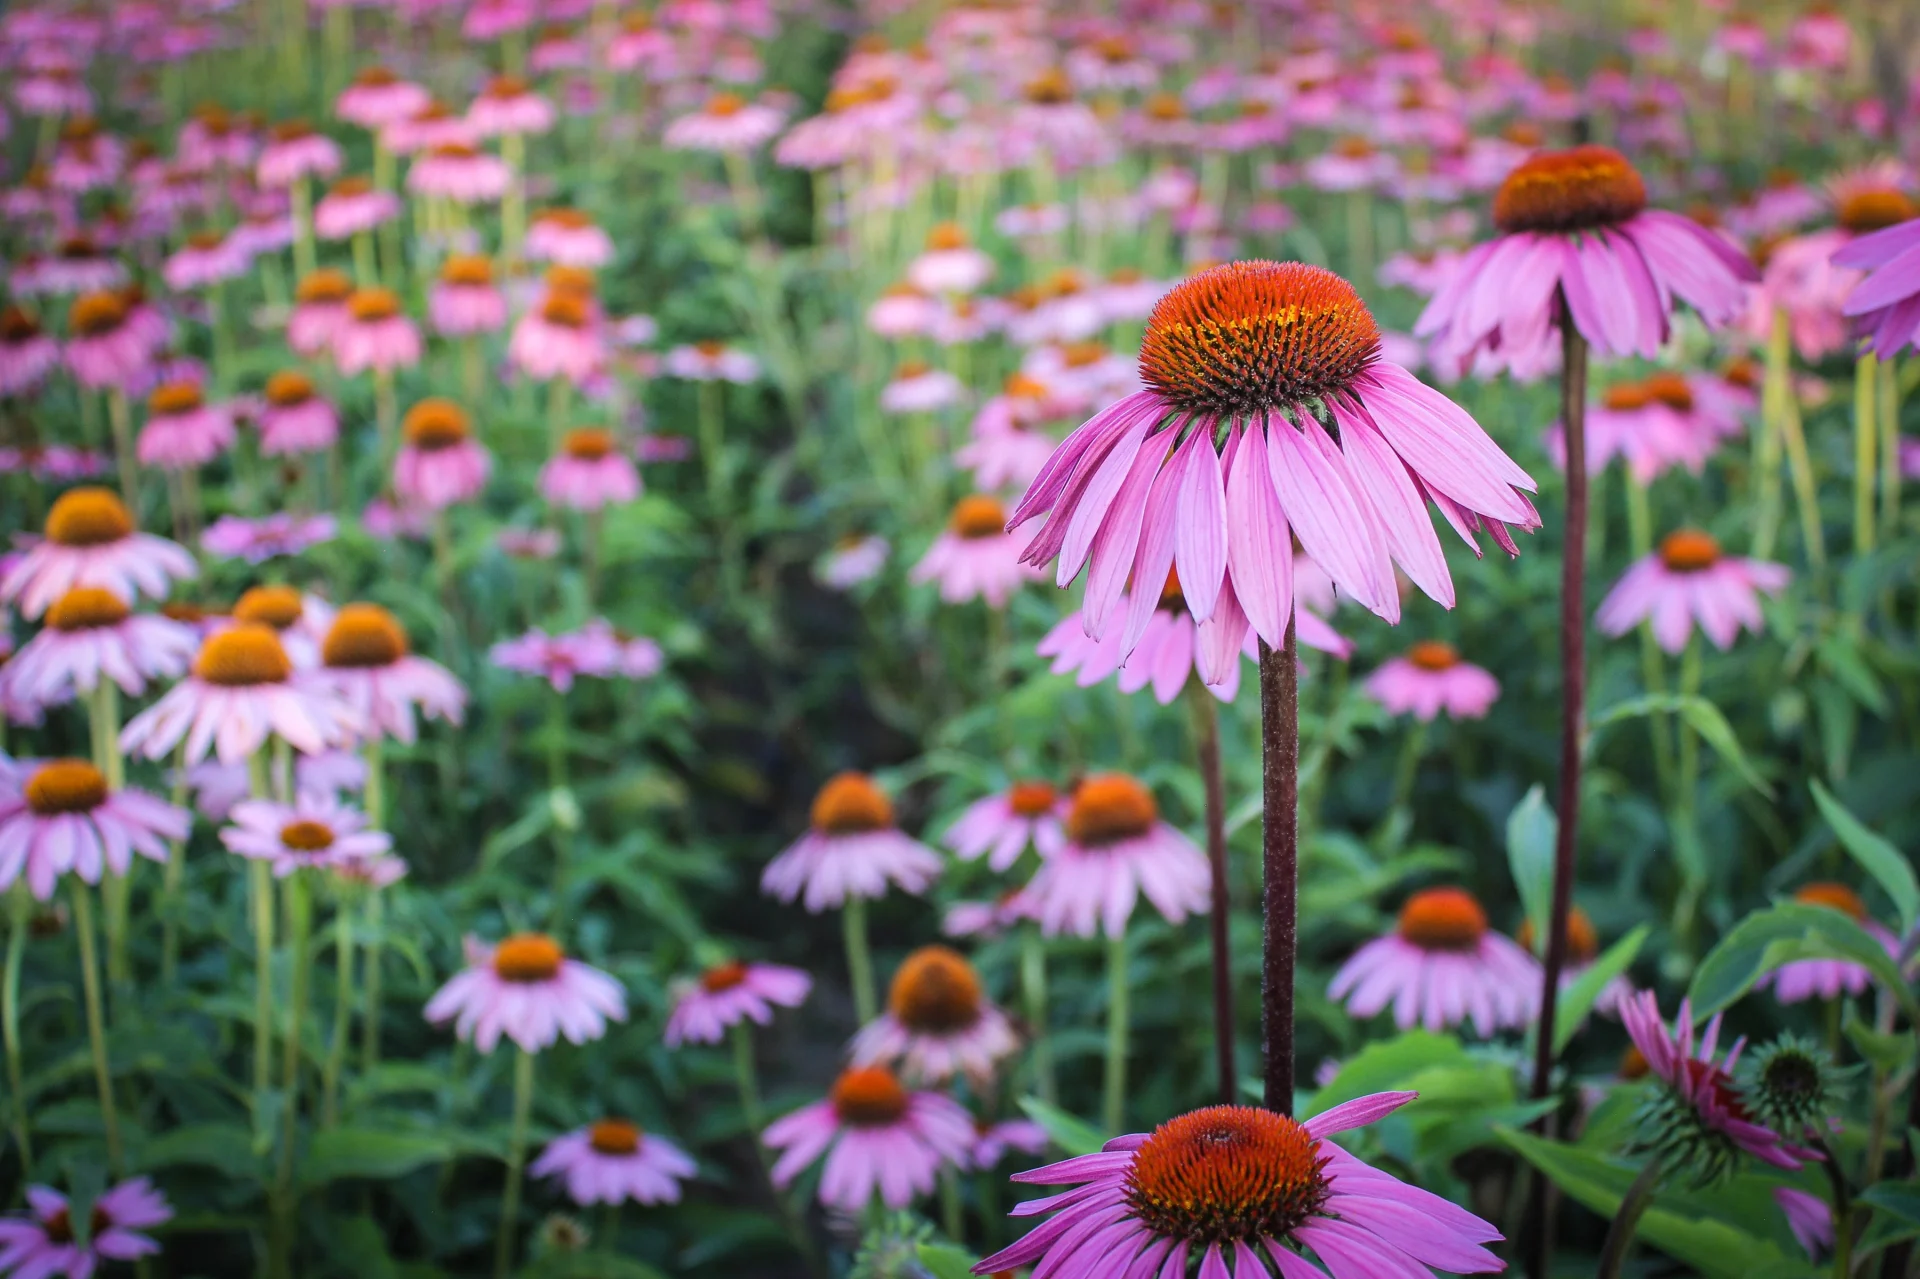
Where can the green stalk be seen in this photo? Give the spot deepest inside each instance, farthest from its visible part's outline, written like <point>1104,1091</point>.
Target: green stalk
<point>20,916</point>
<point>1114,1111</point>
<point>513,206</point>
<point>1888,402</point>
<point>516,1162</point>
<point>174,876</point>
<point>370,1012</point>
<point>103,706</point>
<point>712,442</point>
<point>1033,994</point>
<point>853,920</point>
<point>1693,870</point>
<point>1652,662</point>
<point>96,1023</point>
<point>304,258</point>
<point>260,895</point>
<point>122,419</point>
<point>1774,390</point>
<point>747,1079</point>
<point>1412,747</point>
<point>1620,1233</point>
<point>1800,464</point>
<point>342,1015</point>
<point>282,1204</point>
<point>1866,439</point>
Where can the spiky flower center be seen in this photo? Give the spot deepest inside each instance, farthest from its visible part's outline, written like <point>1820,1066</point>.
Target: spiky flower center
<point>373,305</point>
<point>324,287</point>
<point>935,992</point>
<point>1834,897</point>
<point>1245,337</point>
<point>1671,390</point>
<point>250,654</point>
<point>88,516</point>
<point>1580,189</point>
<point>376,77</point>
<point>1583,942</point>
<point>307,836</point>
<point>1172,598</point>
<point>363,636</point>
<point>59,1226</point>
<point>1109,808</point>
<point>95,315</point>
<point>1705,1076</point>
<point>1032,799</point>
<point>946,237</point>
<point>469,270</point>
<point>86,608</point>
<point>1165,108</point>
<point>17,326</point>
<point>1227,1174</point>
<point>613,1137</point>
<point>1443,919</point>
<point>850,804</point>
<point>978,516</point>
<point>868,1097</point>
<point>1875,209</point>
<point>725,104</point>
<point>288,388</point>
<point>66,786</point>
<point>171,398</point>
<point>567,310</point>
<point>1689,550</point>
<point>723,977</point>
<point>528,958</point>
<point>589,444</point>
<point>275,606</point>
<point>1050,88</point>
<point>1434,655</point>
<point>435,424</point>
<point>1627,397</point>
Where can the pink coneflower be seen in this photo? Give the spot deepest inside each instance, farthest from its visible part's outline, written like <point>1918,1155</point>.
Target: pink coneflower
<point>86,158</point>
<point>1004,450</point>
<point>353,205</point>
<point>851,849</point>
<point>205,260</point>
<point>377,97</point>
<point>234,537</point>
<point>1350,164</point>
<point>1808,1217</point>
<point>634,656</point>
<point>82,265</point>
<point>558,338</point>
<point>949,263</point>
<point>730,993</point>
<point>589,473</point>
<point>612,1161</point>
<point>988,918</point>
<point>975,557</point>
<point>528,990</point>
<point>558,659</point>
<point>214,138</point>
<point>90,635</point>
<point>569,237</point>
<point>294,151</point>
<point>1827,978</point>
<point>877,1137</point>
<point>917,388</point>
<point>242,689</point>
<point>903,311</point>
<point>1583,949</point>
<point>104,349</point>
<point>433,125</point>
<point>463,300</point>
<point>319,310</point>
<point>457,171</point>
<point>58,816</point>
<point>1579,245</point>
<point>727,123</point>
<point>1430,678</point>
<point>1003,826</point>
<point>1703,1086</point>
<point>315,832</point>
<point>27,354</point>
<point>1664,421</point>
<point>183,432</point>
<point>1689,580</point>
<point>439,462</point>
<point>712,362</point>
<point>938,1023</point>
<point>43,1245</point>
<point>294,418</point>
<point>217,787</point>
<point>1440,967</point>
<point>374,334</point>
<point>55,462</point>
<point>1115,847</point>
<point>366,662</point>
<point>509,106</point>
<point>299,620</point>
<point>1250,1183</point>
<point>1886,305</point>
<point>1261,340</point>
<point>993,1142</point>
<point>91,541</point>
<point>852,560</point>
<point>491,19</point>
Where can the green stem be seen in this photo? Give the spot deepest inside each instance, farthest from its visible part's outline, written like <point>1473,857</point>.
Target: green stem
<point>1652,663</point>
<point>853,919</point>
<point>1412,747</point>
<point>376,946</point>
<point>557,773</point>
<point>1806,495</point>
<point>20,912</point>
<point>299,927</point>
<point>122,419</point>
<point>96,1022</point>
<point>1114,1112</point>
<point>746,1077</point>
<point>1693,870</point>
<point>260,894</point>
<point>1033,994</point>
<point>366,270</point>
<point>1866,438</point>
<point>342,1015</point>
<point>304,259</point>
<point>174,877</point>
<point>516,1161</point>
<point>1888,401</point>
<point>952,1212</point>
<point>712,441</point>
<point>1625,1221</point>
<point>103,706</point>
<point>513,205</point>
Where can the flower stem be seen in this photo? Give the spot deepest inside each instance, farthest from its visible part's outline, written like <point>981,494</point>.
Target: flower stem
<point>1866,439</point>
<point>1033,994</point>
<point>1693,868</point>
<point>853,920</point>
<point>516,1161</point>
<point>749,1082</point>
<point>96,1022</point>
<point>1775,387</point>
<point>20,916</point>
<point>299,926</point>
<point>260,894</point>
<point>1800,465</point>
<point>1114,1112</point>
<point>122,419</point>
<point>1407,768</point>
<point>1620,1234</point>
<point>1887,399</point>
<point>1206,749</point>
<point>173,878</point>
<point>342,1016</point>
<point>952,1211</point>
<point>103,706</point>
<point>1280,858</point>
<point>376,948</point>
<point>1652,664</point>
<point>304,259</point>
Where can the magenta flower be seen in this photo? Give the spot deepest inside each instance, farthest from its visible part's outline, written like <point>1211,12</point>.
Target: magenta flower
<point>1700,1083</point>
<point>568,237</point>
<point>1808,1217</point>
<point>242,690</point>
<point>508,106</point>
<point>58,816</point>
<point>949,264</point>
<point>217,787</point>
<point>351,206</point>
<point>1003,826</point>
<point>938,1023</point>
<point>989,918</point>
<point>1430,678</point>
<point>993,1142</point>
<point>852,849</point>
<point>458,172</point>
<point>1579,244</point>
<point>463,300</point>
<point>727,124</point>
<point>90,635</point>
<point>295,418</point>
<point>1828,978</point>
<point>878,1139</point>
<point>1886,305</point>
<point>206,260</point>
<point>711,362</point>
<point>730,993</point>
<point>27,354</point>
<point>1689,581</point>
<point>316,831</point>
<point>558,659</point>
<point>42,1244</point>
<point>916,388</point>
<point>589,473</point>
<point>233,537</point>
<point>377,98</point>
<point>852,561</point>
<point>293,152</point>
<point>366,662</point>
<point>1144,488</point>
<point>1441,966</point>
<point>319,310</point>
<point>1664,421</point>
<point>91,541</point>
<point>105,348</point>
<point>975,556</point>
<point>1114,847</point>
<point>634,656</point>
<point>440,463</point>
<point>528,990</point>
<point>372,334</point>
<point>612,1161</point>
<point>558,338</point>
<point>1240,1182</point>
<point>183,432</point>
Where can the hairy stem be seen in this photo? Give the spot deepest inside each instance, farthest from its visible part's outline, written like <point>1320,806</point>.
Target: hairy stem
<point>1280,860</point>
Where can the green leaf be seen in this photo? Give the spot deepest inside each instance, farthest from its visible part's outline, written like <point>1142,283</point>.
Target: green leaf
<point>1531,830</point>
<point>1389,1065</point>
<point>1074,1136</point>
<point>1876,856</point>
<point>1779,935</point>
<point>1705,719</point>
<point>361,1247</point>
<point>225,1147</point>
<point>373,1153</point>
<point>944,1261</point>
<point>1888,1053</point>
<point>1577,1000</point>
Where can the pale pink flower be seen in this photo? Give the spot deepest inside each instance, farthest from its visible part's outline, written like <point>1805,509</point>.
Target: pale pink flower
<point>558,659</point>
<point>91,635</point>
<point>374,334</point>
<point>319,310</point>
<point>527,989</point>
<point>993,1142</point>
<point>589,473</point>
<point>612,1161</point>
<point>852,560</point>
<point>1441,967</point>
<point>915,388</point>
<point>104,348</point>
<point>1430,678</point>
<point>365,660</point>
<point>558,338</point>
<point>241,690</point>
<point>294,418</point>
<point>206,260</point>
<point>1004,825</point>
<point>463,301</point>
<point>851,849</point>
<point>1828,979</point>
<point>1112,849</point>
<point>256,541</point>
<point>352,206</point>
<point>938,1023</point>
<point>989,918</point>
<point>313,832</point>
<point>509,106</point>
<point>58,816</point>
<point>569,237</point>
<point>712,362</point>
<point>458,172</point>
<point>1687,581</point>
<point>949,264</point>
<point>727,994</point>
<point>727,123</point>
<point>217,787</point>
<point>183,432</point>
<point>377,98</point>
<point>27,354</point>
<point>42,1245</point>
<point>877,1137</point>
<point>294,152</point>
<point>439,463</point>
<point>974,557</point>
<point>91,541</point>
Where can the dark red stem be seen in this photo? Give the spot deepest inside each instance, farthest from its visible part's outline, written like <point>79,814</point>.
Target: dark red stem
<point>1280,860</point>
<point>1206,748</point>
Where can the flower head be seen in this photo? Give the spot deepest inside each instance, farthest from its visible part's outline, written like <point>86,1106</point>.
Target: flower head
<point>45,1243</point>
<point>366,662</point>
<point>314,831</point>
<point>58,815</point>
<point>1689,580</point>
<point>852,849</point>
<point>1440,967</point>
<point>975,557</point>
<point>90,635</point>
<point>1113,847</point>
<point>1430,677</point>
<point>938,1022</point>
<point>527,989</point>
<point>877,1136</point>
<point>91,540</point>
<point>1003,826</point>
<point>728,993</point>
<point>612,1161</point>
